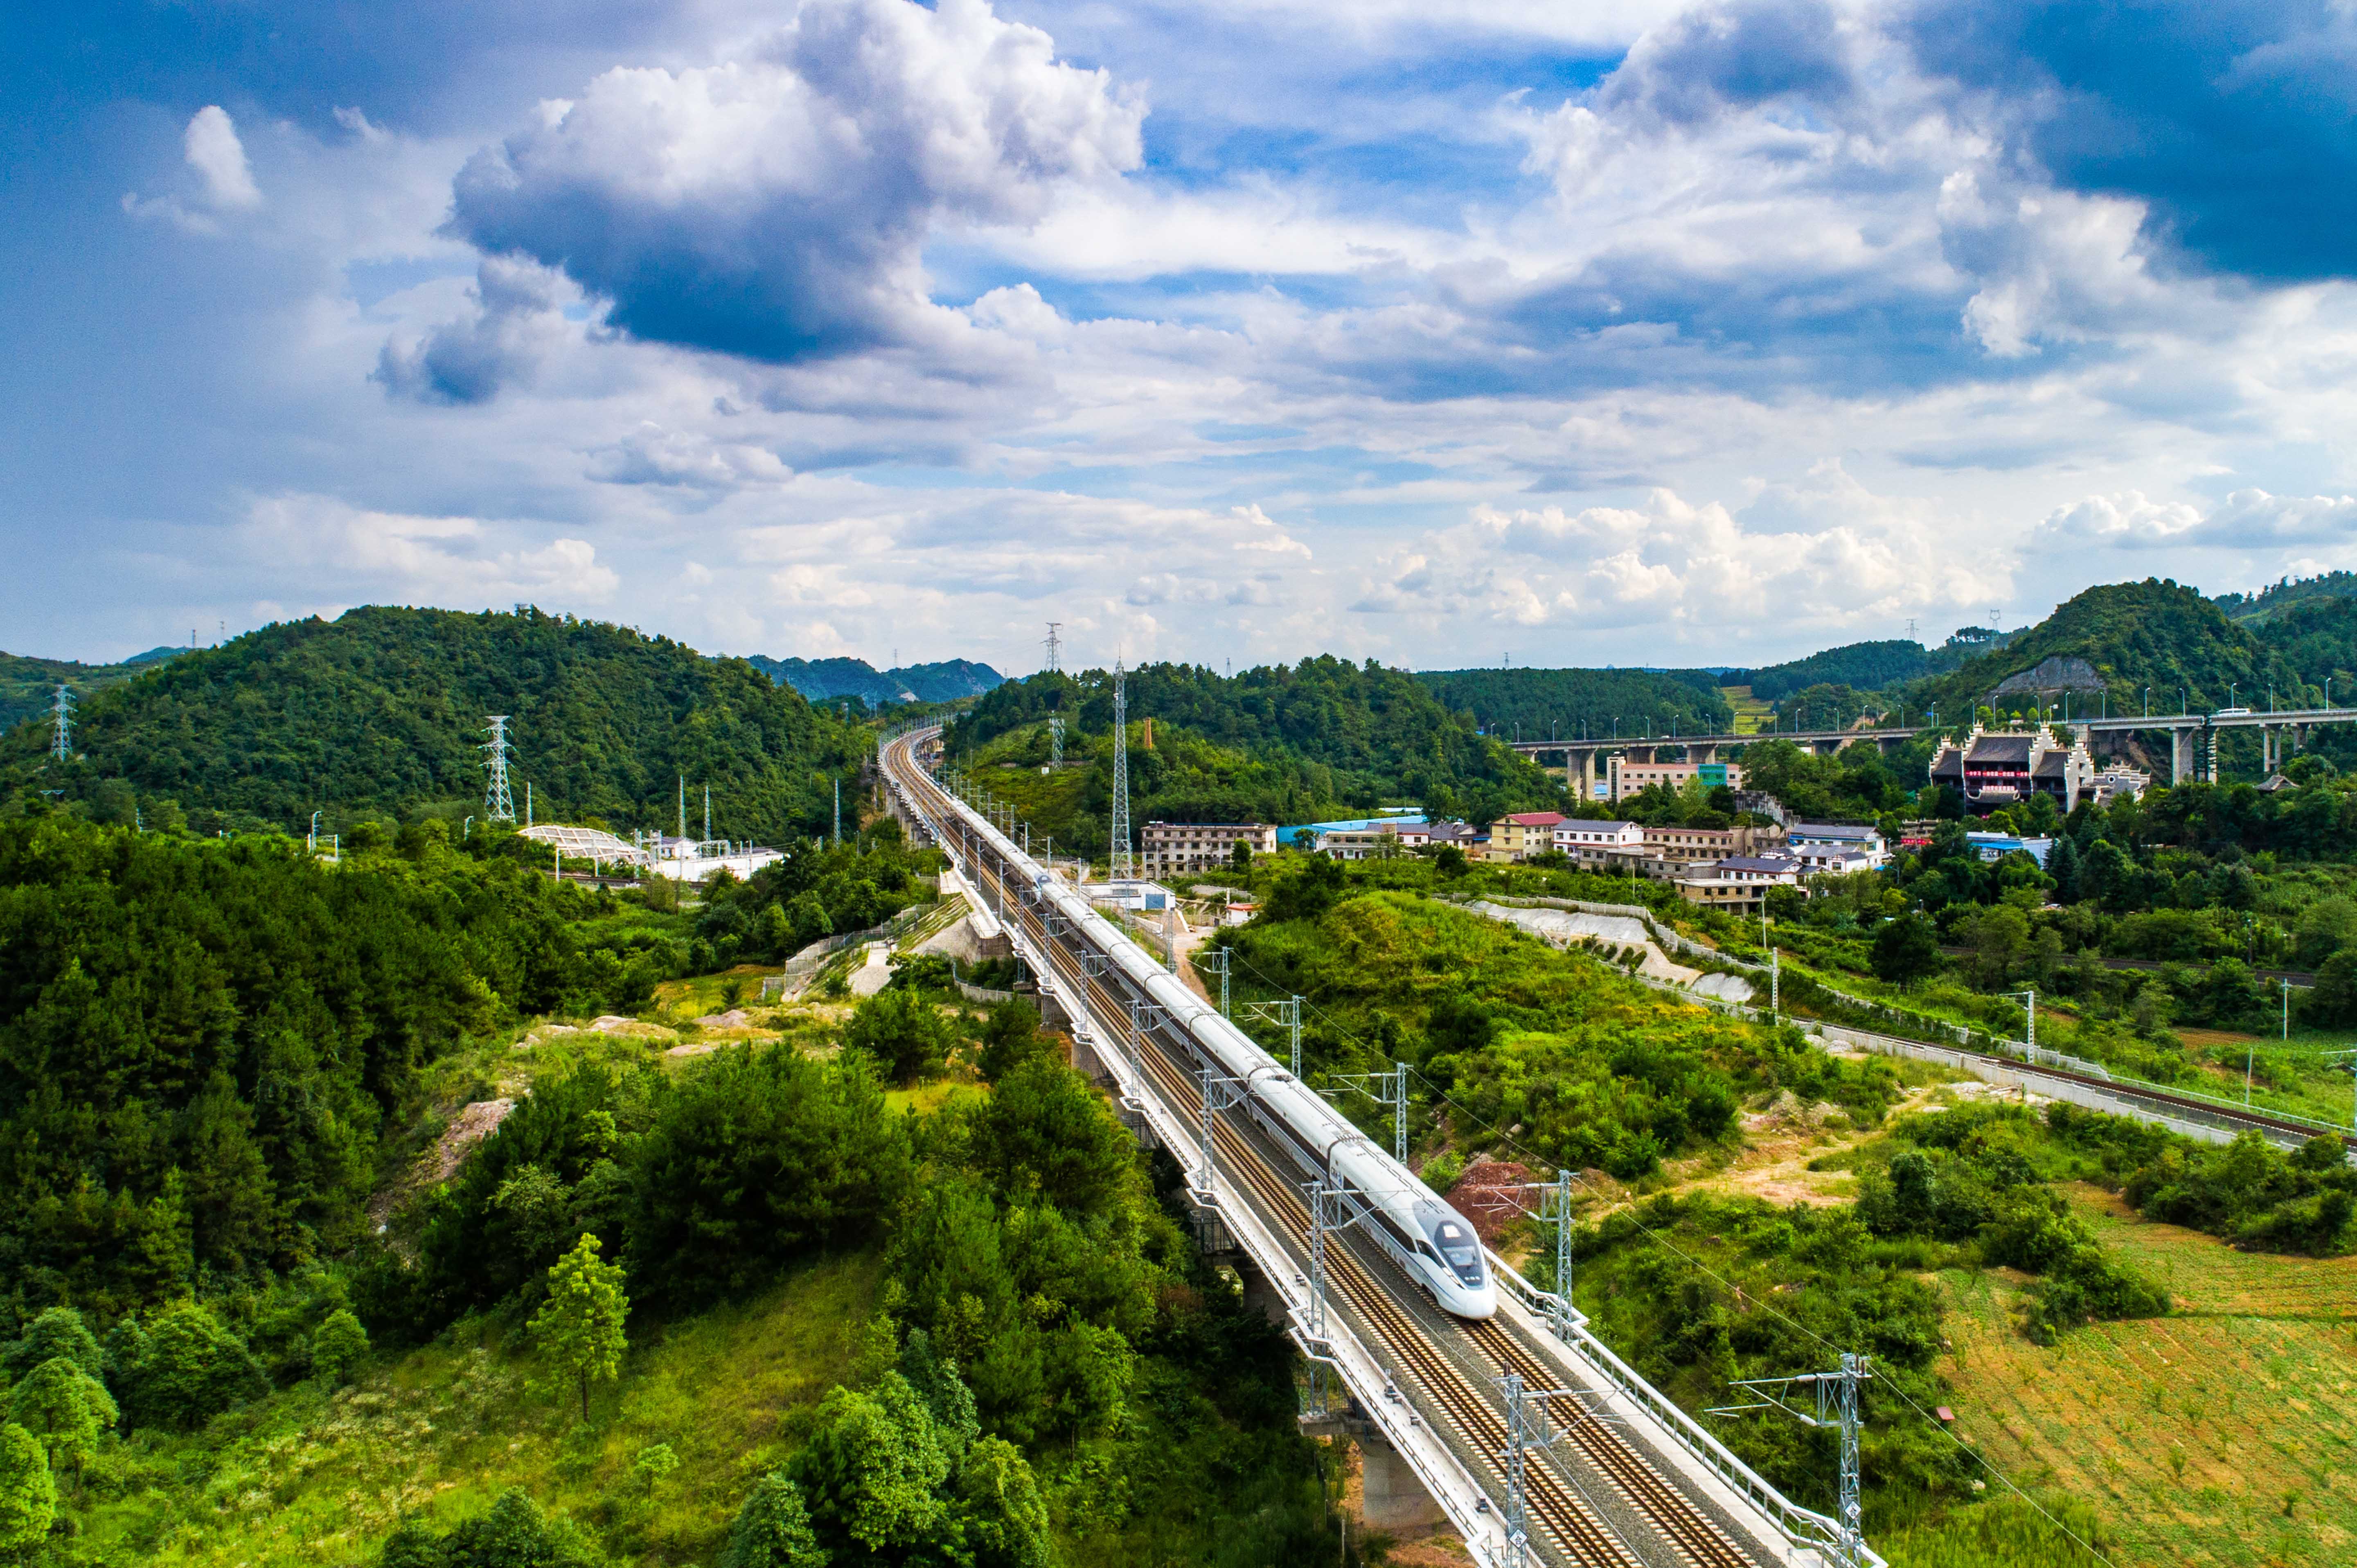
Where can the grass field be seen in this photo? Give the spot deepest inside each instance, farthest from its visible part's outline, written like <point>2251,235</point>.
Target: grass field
<point>306,1478</point>
<point>2225,1435</point>
<point>1750,712</point>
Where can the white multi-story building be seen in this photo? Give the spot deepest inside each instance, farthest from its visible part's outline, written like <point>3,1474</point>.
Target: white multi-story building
<point>1860,837</point>
<point>1167,849</point>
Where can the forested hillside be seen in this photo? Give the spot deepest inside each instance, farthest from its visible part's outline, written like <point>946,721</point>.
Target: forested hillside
<point>1864,666</point>
<point>2129,636</point>
<point>1536,705</point>
<point>382,712</point>
<point>1275,743</point>
<point>27,685</point>
<point>2285,592</point>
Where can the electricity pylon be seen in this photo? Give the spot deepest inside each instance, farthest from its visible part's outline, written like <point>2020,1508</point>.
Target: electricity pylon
<point>1124,866</point>
<point>61,709</point>
<point>499,805</point>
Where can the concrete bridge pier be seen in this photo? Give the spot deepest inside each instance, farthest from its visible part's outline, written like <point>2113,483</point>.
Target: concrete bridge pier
<point>1393,1501</point>
<point>1701,752</point>
<point>1390,1497</point>
<point>2181,755</point>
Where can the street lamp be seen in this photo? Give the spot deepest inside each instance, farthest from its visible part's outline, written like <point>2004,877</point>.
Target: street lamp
<point>2147,702</point>
<point>2230,693</point>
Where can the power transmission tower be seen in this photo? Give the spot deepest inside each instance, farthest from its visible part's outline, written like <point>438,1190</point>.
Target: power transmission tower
<point>62,710</point>
<point>682,805</point>
<point>1055,649</point>
<point>1124,866</point>
<point>1055,740</point>
<point>707,809</point>
<point>499,805</point>
<point>838,814</point>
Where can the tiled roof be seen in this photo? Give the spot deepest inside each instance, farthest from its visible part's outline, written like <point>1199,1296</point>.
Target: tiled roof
<point>1535,818</point>
<point>2001,749</point>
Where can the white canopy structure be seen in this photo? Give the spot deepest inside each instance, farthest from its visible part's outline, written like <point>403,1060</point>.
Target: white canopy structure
<point>593,844</point>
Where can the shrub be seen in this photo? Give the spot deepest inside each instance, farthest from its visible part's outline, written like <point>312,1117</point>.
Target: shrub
<point>907,1035</point>
<point>337,1346</point>
<point>190,1369</point>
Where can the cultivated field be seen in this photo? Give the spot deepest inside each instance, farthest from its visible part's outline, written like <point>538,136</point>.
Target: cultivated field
<point>2224,1435</point>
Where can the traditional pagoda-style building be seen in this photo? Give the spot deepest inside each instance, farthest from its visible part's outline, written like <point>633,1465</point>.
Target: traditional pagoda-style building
<point>2001,769</point>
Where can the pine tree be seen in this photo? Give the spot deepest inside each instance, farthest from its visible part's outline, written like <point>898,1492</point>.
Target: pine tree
<point>29,1493</point>
<point>773,1529</point>
<point>580,1324</point>
<point>65,1408</point>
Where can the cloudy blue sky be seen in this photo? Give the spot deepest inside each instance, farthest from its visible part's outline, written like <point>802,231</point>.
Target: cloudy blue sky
<point>1435,332</point>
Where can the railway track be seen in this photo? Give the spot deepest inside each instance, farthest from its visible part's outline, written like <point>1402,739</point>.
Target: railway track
<point>1559,1518</point>
<point>2127,1088</point>
<point>1564,1525</point>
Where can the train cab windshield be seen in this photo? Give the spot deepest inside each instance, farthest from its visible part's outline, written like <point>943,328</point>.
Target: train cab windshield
<point>1457,1247</point>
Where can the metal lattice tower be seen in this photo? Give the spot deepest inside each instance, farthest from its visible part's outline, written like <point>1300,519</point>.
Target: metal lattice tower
<point>1055,740</point>
<point>1055,649</point>
<point>1124,866</point>
<point>61,709</point>
<point>499,805</point>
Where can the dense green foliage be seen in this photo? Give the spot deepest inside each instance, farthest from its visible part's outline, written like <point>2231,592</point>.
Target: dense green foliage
<point>1592,1067</point>
<point>1972,1175</point>
<point>382,712</point>
<point>1048,1316</point>
<point>1864,666</point>
<point>200,1043</point>
<point>2136,635</point>
<point>2285,592</point>
<point>1276,745</point>
<point>1570,705</point>
<point>815,891</point>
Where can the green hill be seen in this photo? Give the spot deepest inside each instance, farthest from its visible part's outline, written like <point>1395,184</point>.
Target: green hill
<point>382,712</point>
<point>2107,645</point>
<point>1537,705</point>
<point>1863,666</point>
<point>1325,737</point>
<point>2284,593</point>
<point>28,684</point>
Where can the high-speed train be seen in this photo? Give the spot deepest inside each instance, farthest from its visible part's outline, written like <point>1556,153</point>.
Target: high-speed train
<point>1428,1238</point>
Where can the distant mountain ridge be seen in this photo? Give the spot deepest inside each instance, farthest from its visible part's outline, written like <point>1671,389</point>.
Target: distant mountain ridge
<point>28,684</point>
<point>819,679</point>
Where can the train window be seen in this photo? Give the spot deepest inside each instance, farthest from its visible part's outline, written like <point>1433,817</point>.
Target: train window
<point>1460,1247</point>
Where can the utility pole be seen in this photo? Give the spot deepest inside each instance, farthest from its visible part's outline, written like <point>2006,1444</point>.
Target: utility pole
<point>1123,867</point>
<point>499,805</point>
<point>1554,1209</point>
<point>1836,1406</point>
<point>2031,996</point>
<point>1223,957</point>
<point>1775,985</point>
<point>1384,1089</point>
<point>61,710</point>
<point>1287,1013</point>
<point>527,803</point>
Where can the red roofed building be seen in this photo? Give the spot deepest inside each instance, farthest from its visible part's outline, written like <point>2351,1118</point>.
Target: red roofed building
<point>1523,835</point>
